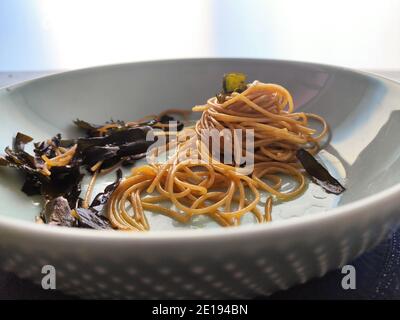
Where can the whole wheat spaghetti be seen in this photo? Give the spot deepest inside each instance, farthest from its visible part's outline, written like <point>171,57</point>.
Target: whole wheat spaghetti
<point>193,182</point>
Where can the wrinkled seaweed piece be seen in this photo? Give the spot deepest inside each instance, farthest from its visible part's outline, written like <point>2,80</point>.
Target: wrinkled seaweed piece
<point>47,148</point>
<point>166,119</point>
<point>65,181</point>
<point>93,217</point>
<point>318,173</point>
<point>73,195</point>
<point>93,130</point>
<point>68,143</point>
<point>32,185</point>
<point>94,154</point>
<point>4,162</point>
<point>132,159</point>
<point>19,159</point>
<point>91,220</point>
<point>114,147</point>
<point>102,198</point>
<point>58,212</point>
<point>20,141</point>
<point>87,125</point>
<point>113,154</point>
<point>115,138</point>
<point>134,148</point>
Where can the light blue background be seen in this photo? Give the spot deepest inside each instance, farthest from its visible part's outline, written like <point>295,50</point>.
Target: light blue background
<point>67,34</point>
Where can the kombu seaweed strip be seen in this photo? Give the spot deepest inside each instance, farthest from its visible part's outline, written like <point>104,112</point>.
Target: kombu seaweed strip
<point>318,173</point>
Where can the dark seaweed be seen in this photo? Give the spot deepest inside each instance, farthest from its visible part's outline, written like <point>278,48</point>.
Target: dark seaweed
<point>318,173</point>
<point>58,212</point>
<point>115,138</point>
<point>166,119</point>
<point>64,181</point>
<point>124,143</point>
<point>114,147</point>
<point>90,219</point>
<point>32,185</point>
<point>18,158</point>
<point>94,154</point>
<point>89,127</point>
<point>93,216</point>
<point>20,141</point>
<point>93,130</point>
<point>47,148</point>
<point>102,198</point>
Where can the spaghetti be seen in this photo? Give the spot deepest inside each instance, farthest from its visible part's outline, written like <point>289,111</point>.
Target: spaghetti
<point>206,185</point>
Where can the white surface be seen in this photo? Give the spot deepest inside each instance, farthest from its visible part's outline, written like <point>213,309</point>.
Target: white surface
<point>68,34</point>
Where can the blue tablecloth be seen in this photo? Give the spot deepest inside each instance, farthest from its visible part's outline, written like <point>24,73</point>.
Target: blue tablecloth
<point>377,277</point>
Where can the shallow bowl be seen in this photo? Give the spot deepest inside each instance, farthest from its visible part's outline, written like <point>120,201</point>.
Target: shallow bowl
<point>363,111</point>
